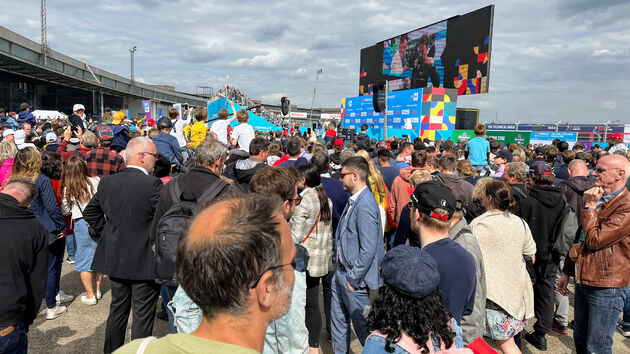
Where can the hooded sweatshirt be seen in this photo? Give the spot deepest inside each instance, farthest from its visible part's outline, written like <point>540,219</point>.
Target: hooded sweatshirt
<point>401,192</point>
<point>23,263</point>
<point>243,170</point>
<point>573,189</point>
<point>461,189</point>
<point>546,207</point>
<point>27,117</point>
<point>121,137</point>
<point>362,141</point>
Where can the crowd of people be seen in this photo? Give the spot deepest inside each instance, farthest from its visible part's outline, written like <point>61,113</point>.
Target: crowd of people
<point>419,246</point>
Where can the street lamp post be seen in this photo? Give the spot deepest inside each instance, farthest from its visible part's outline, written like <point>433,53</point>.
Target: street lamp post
<point>310,116</point>
<point>132,51</point>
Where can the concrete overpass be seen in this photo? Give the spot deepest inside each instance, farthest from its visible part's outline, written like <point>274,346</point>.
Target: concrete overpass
<point>21,60</point>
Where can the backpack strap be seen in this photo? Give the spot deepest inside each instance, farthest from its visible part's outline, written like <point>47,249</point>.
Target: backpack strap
<point>214,190</point>
<point>144,344</point>
<point>174,191</point>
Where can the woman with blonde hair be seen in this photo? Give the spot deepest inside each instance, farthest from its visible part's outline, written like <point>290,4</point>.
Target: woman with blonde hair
<point>8,150</point>
<point>504,239</point>
<point>77,190</point>
<point>378,188</point>
<point>28,164</point>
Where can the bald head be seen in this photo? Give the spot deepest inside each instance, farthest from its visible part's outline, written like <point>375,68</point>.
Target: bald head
<point>617,161</point>
<point>578,168</point>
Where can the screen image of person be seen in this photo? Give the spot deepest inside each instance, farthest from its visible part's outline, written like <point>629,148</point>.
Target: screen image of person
<point>424,63</point>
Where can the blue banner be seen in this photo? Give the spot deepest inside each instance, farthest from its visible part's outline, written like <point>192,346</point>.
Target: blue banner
<point>403,111</point>
<point>496,126</point>
<point>554,135</point>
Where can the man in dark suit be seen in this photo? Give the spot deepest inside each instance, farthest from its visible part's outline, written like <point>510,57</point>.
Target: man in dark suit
<point>127,202</point>
<point>360,251</point>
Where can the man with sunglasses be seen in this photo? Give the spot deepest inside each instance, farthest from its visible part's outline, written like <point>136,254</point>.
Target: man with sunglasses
<point>603,274</point>
<point>360,251</point>
<point>288,333</point>
<point>122,211</point>
<point>236,262</point>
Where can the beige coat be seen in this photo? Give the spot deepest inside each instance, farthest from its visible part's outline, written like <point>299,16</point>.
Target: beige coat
<point>504,238</point>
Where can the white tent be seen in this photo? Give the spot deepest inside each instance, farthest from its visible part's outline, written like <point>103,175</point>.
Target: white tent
<point>48,115</point>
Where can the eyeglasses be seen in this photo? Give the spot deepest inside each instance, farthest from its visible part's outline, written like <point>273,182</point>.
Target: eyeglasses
<point>297,200</point>
<point>293,264</point>
<point>345,174</point>
<point>601,170</point>
<point>150,153</point>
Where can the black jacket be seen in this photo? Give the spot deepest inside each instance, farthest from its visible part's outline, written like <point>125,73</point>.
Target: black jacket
<point>23,263</point>
<point>127,200</point>
<point>362,141</point>
<point>522,201</point>
<point>241,172</point>
<point>546,205</point>
<point>76,121</point>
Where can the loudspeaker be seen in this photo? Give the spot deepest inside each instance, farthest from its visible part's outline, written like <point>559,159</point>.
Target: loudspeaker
<point>379,96</point>
<point>285,105</point>
<point>466,119</point>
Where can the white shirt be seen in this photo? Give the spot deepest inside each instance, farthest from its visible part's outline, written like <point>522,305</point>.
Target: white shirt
<point>139,168</point>
<point>220,129</point>
<point>178,130</point>
<point>244,134</point>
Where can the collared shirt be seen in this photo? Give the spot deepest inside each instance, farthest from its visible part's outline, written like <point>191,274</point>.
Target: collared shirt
<point>608,197</point>
<point>327,175</point>
<point>139,168</point>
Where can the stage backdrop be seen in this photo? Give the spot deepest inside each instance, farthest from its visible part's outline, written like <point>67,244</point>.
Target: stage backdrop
<point>452,53</point>
<point>422,110</point>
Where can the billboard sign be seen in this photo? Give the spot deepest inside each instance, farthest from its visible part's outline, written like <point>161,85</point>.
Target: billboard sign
<point>452,53</point>
<point>507,137</point>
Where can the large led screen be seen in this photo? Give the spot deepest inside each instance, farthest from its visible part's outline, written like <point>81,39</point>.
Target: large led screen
<point>453,53</point>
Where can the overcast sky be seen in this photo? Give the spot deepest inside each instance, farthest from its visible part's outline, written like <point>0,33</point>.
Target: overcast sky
<point>565,60</point>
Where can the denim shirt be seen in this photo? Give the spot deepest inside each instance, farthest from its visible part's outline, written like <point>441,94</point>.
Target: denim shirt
<point>376,344</point>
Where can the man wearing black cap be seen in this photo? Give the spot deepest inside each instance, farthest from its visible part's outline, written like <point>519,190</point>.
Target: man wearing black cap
<point>432,206</point>
<point>546,203</point>
<point>501,158</point>
<point>166,144</point>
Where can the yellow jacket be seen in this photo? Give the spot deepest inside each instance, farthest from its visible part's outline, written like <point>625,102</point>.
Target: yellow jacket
<point>196,133</point>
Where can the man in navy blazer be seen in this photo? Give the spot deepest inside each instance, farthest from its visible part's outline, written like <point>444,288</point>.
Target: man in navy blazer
<point>359,254</point>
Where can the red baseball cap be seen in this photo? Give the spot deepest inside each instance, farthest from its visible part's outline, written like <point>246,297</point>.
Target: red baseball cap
<point>339,142</point>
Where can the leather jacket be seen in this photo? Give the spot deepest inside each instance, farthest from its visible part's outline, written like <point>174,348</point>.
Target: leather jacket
<point>605,252</point>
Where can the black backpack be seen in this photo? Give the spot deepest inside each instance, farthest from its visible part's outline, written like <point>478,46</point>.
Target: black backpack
<point>173,224</point>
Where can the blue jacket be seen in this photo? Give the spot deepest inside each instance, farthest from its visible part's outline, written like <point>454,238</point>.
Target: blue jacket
<point>121,137</point>
<point>27,117</point>
<point>14,124</point>
<point>45,206</point>
<point>167,145</point>
<point>360,241</point>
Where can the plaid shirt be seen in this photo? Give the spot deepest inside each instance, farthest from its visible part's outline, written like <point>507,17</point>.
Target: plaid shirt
<point>319,243</point>
<point>104,162</point>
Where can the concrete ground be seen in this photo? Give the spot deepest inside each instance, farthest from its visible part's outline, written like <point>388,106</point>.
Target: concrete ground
<point>82,328</point>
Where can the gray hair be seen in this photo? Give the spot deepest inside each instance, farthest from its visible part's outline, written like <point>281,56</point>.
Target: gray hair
<point>518,170</point>
<point>135,145</point>
<point>89,139</point>
<point>209,151</point>
<point>346,153</point>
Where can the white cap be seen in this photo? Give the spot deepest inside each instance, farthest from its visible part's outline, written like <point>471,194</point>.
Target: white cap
<point>19,137</point>
<point>77,107</point>
<point>51,137</point>
<point>8,132</point>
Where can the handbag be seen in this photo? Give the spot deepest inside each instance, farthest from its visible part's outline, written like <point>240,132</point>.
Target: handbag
<point>312,228</point>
